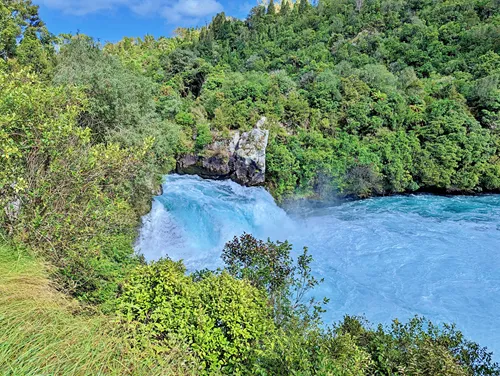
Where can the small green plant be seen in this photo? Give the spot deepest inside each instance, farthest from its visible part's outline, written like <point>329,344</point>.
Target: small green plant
<point>204,136</point>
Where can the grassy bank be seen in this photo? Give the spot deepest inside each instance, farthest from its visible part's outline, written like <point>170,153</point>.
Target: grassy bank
<point>45,333</point>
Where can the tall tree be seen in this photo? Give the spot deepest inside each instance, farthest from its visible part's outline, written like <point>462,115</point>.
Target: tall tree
<point>19,20</point>
<point>271,9</point>
<point>285,7</point>
<point>304,6</point>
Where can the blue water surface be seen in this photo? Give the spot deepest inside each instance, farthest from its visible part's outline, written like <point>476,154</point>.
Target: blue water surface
<point>383,258</point>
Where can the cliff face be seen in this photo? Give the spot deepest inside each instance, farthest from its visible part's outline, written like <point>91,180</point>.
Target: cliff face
<point>242,158</point>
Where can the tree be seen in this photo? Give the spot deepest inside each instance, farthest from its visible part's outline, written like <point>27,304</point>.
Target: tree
<point>270,267</point>
<point>121,106</point>
<point>32,53</point>
<point>23,35</point>
<point>271,8</point>
<point>304,6</point>
<point>217,25</point>
<point>74,201</point>
<point>16,19</point>
<point>419,347</point>
<point>256,13</point>
<point>285,7</point>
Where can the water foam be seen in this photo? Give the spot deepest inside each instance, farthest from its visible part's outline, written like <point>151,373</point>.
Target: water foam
<point>382,258</point>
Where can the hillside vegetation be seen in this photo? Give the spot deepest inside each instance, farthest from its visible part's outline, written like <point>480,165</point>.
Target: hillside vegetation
<point>366,97</point>
<point>363,98</point>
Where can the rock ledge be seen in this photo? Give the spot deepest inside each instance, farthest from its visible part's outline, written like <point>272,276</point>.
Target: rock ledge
<point>242,158</point>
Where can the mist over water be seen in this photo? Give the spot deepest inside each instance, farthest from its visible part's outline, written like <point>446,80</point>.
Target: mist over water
<point>383,257</point>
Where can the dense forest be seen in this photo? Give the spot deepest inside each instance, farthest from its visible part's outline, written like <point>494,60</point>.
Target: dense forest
<point>362,97</point>
<point>366,97</point>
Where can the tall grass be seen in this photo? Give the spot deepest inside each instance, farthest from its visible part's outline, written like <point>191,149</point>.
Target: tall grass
<point>43,333</point>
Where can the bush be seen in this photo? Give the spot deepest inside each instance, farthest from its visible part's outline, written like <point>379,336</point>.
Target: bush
<point>269,266</point>
<point>121,103</point>
<point>281,169</point>
<point>224,321</point>
<point>204,136</point>
<point>363,181</point>
<point>74,200</point>
<point>419,347</point>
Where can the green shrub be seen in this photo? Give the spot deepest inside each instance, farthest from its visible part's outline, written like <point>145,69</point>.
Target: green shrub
<point>224,321</point>
<point>304,348</point>
<point>24,38</point>
<point>341,356</point>
<point>363,181</point>
<point>204,135</point>
<point>121,104</point>
<point>74,199</point>
<point>185,119</point>
<point>270,267</point>
<point>419,347</point>
<point>281,172</point>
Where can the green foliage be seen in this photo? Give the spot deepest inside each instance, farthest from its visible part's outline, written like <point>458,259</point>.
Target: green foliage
<point>271,8</point>
<point>204,136</point>
<point>419,348</point>
<point>375,81</point>
<point>121,107</point>
<point>364,97</point>
<point>269,266</point>
<point>224,321</point>
<point>351,347</point>
<point>71,200</point>
<point>359,91</point>
<point>281,167</point>
<point>24,36</point>
<point>45,333</point>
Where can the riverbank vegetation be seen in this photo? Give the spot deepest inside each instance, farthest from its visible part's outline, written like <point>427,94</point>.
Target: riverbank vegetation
<point>46,333</point>
<point>362,97</point>
<point>170,323</point>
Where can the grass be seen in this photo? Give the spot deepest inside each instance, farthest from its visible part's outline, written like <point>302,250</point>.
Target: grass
<point>45,333</point>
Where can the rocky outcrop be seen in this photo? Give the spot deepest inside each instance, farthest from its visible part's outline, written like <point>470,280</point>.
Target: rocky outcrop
<point>241,158</point>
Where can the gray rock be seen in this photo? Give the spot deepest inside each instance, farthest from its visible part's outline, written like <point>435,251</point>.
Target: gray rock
<point>249,160</point>
<point>241,158</point>
<point>13,209</point>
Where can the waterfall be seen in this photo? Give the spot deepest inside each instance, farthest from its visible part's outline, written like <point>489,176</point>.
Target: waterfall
<point>383,257</point>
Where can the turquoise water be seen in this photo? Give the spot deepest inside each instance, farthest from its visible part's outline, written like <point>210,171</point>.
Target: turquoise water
<point>382,258</point>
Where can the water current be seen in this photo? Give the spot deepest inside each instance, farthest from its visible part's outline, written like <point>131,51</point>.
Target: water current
<point>382,258</point>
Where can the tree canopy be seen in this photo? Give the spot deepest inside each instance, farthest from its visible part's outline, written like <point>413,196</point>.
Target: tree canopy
<point>364,97</point>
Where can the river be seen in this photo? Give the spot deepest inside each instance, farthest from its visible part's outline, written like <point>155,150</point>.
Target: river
<point>384,258</point>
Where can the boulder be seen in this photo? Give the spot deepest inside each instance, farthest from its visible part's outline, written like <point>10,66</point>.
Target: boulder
<point>241,158</point>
